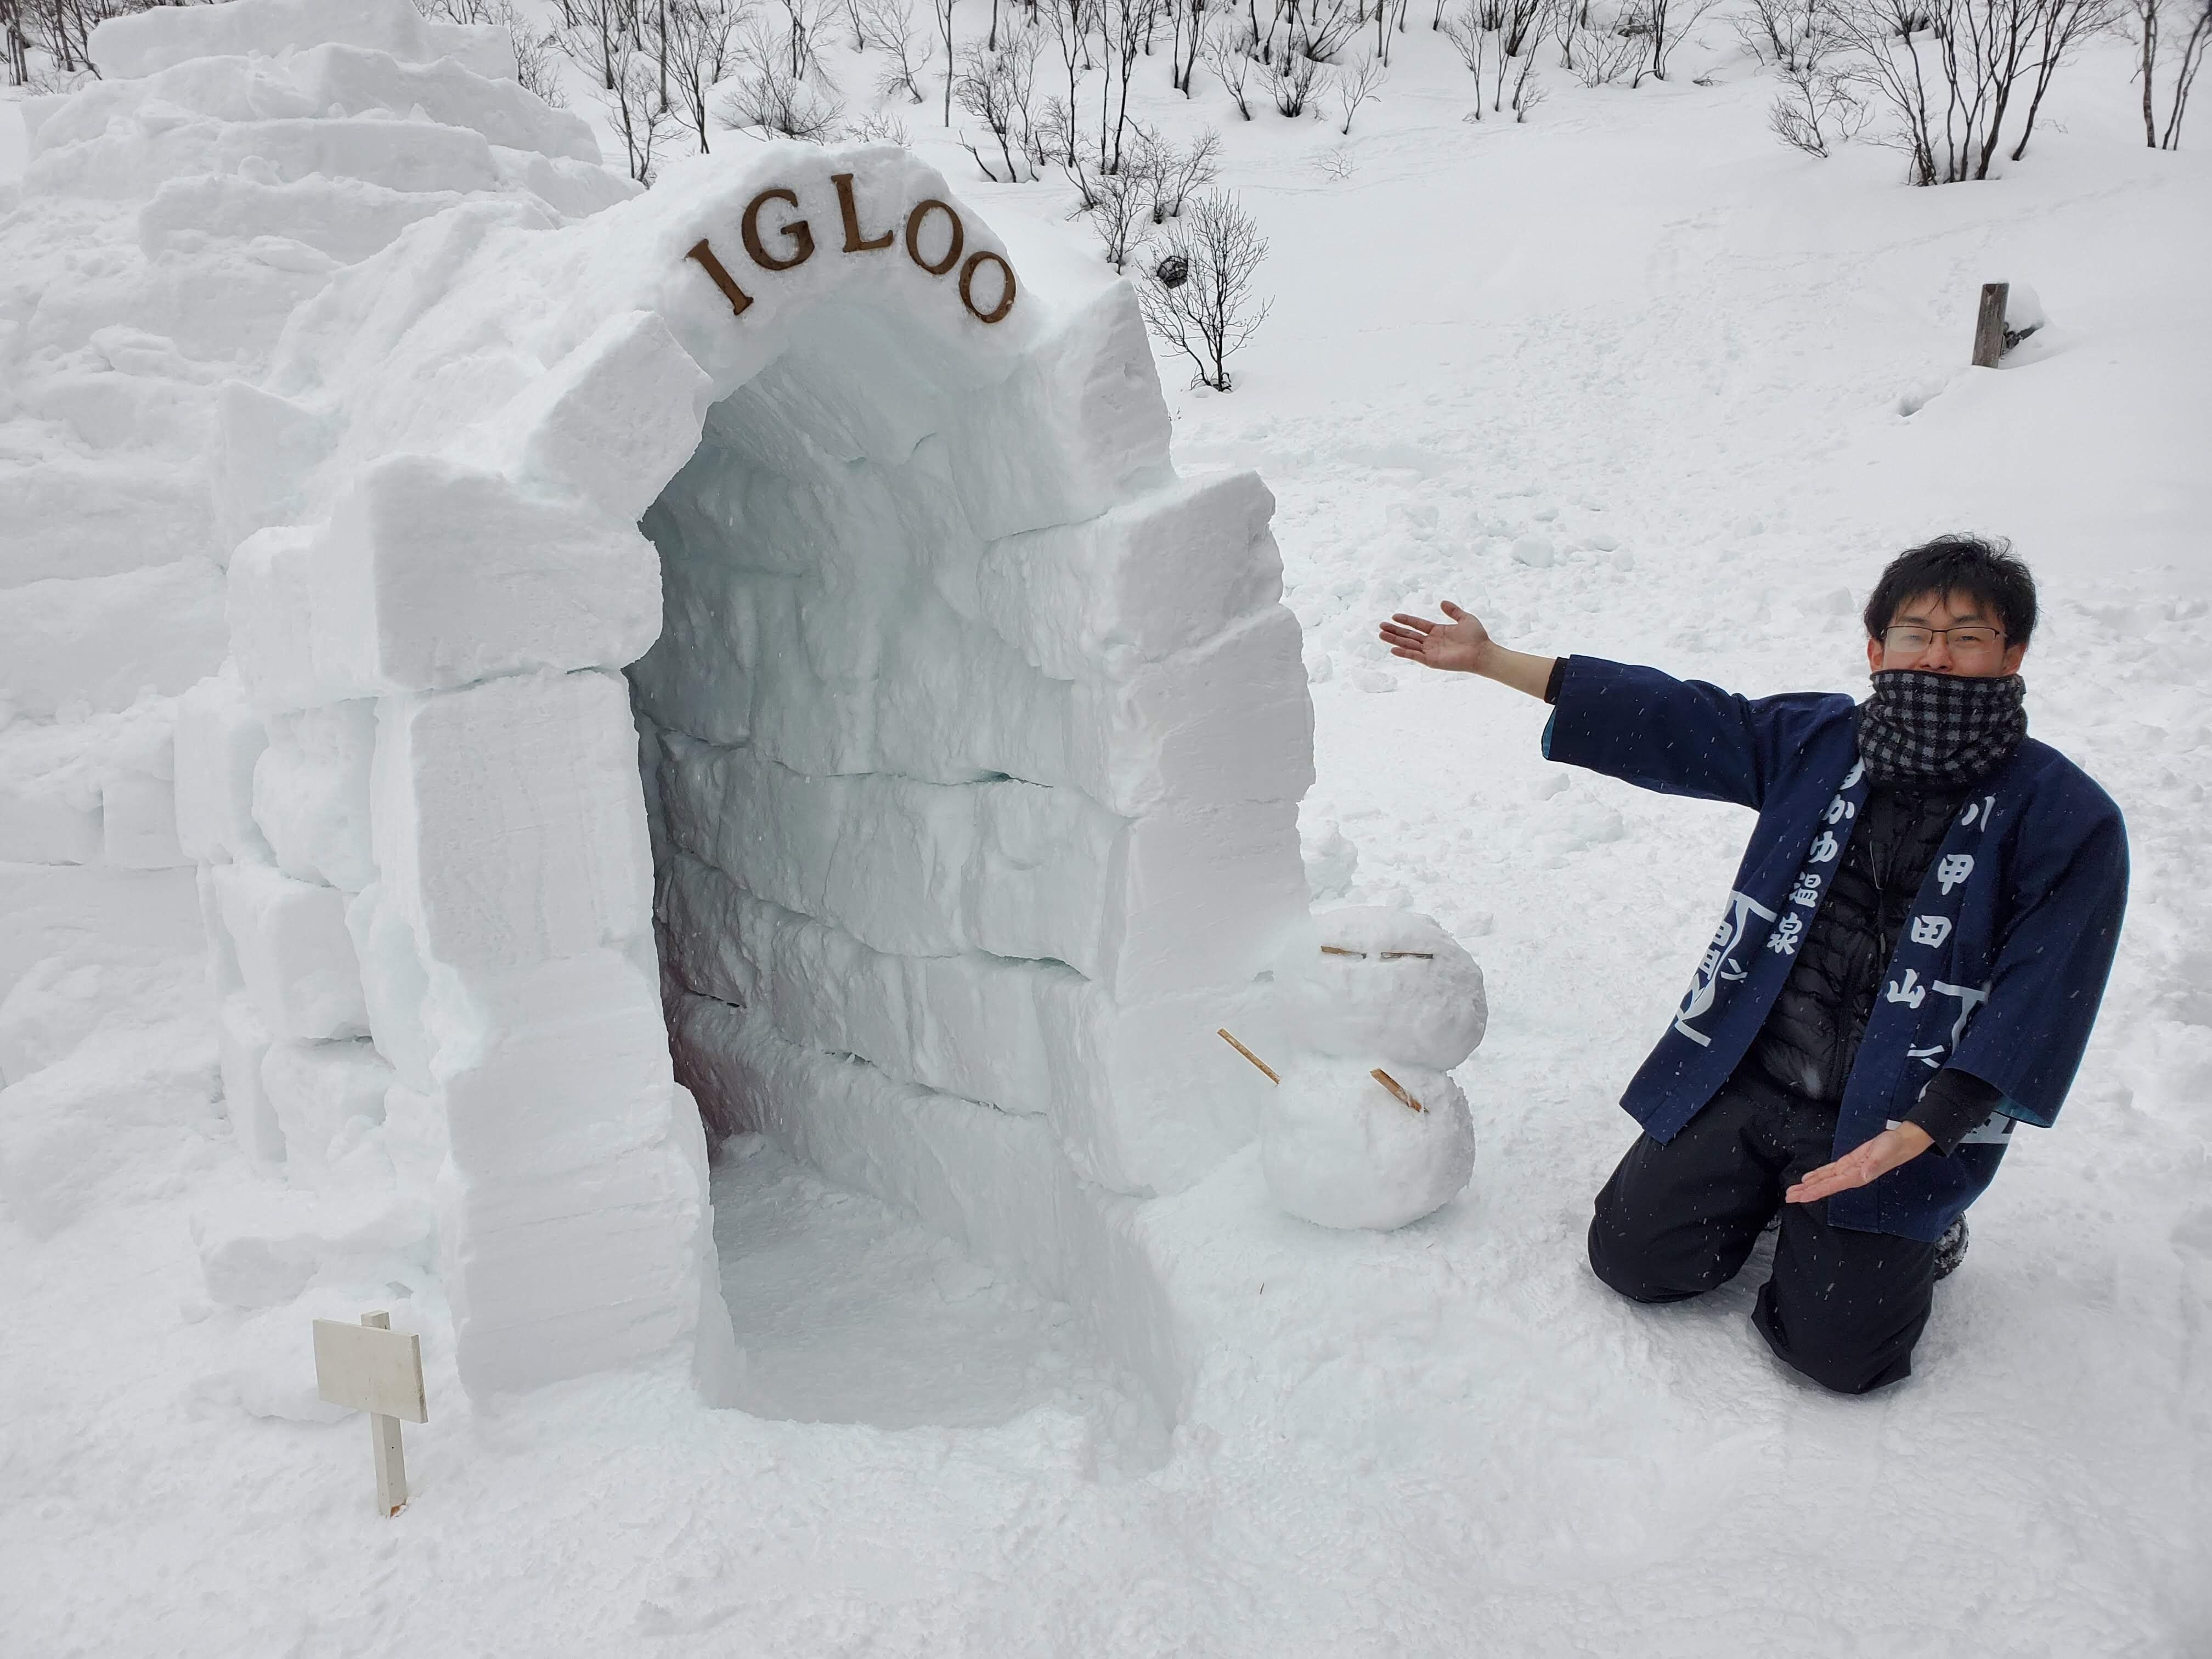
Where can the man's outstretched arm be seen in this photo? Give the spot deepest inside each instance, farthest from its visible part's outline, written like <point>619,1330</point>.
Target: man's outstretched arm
<point>1463,645</point>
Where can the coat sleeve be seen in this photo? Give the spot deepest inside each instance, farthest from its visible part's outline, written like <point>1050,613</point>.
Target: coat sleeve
<point>1678,737</point>
<point>2070,894</point>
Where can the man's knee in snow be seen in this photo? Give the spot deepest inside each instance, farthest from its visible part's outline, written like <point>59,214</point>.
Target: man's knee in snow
<point>1624,1264</point>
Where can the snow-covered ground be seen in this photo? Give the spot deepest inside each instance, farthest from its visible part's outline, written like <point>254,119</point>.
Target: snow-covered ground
<point>1630,379</point>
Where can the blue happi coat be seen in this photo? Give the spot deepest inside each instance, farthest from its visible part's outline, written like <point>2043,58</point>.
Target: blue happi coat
<point>1999,971</point>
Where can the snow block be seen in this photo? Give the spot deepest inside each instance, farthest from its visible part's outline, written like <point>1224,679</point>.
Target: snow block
<point>99,642</point>
<point>138,823</point>
<point>264,445</point>
<point>311,793</point>
<point>314,1088</point>
<point>508,822</point>
<point>49,814</point>
<point>242,1045</point>
<point>447,93</point>
<point>1165,572</point>
<point>219,740</point>
<point>554,1279</point>
<point>1145,1098</point>
<point>613,420</point>
<point>555,1068</point>
<point>71,515</point>
<point>347,219</point>
<point>294,952</point>
<point>396,985</point>
<point>1182,898</point>
<point>1076,427</point>
<point>149,41</point>
<point>265,1254</point>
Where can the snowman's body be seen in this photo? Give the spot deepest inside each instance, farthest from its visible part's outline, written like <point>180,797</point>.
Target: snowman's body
<point>1367,990</point>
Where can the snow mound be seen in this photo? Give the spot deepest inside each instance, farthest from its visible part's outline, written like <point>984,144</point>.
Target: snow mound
<point>1342,1151</point>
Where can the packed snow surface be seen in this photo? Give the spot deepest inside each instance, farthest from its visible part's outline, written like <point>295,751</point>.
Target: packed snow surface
<point>1629,379</point>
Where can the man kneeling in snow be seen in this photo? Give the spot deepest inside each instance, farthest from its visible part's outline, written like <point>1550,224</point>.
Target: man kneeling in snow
<point>1910,963</point>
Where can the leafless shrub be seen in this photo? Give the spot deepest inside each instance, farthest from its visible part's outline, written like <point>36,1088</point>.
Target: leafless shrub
<point>1319,28</point>
<point>768,96</point>
<point>879,129</point>
<point>1336,163</point>
<point>698,47</point>
<point>891,25</point>
<point>1209,311</point>
<point>1357,82</point>
<point>1177,173</point>
<point>1665,24</point>
<point>1227,50</point>
<point>637,112</point>
<point>1291,82</point>
<point>1599,50</point>
<point>1950,72</point>
<point>995,88</point>
<point>1119,208</point>
<point>1818,110</point>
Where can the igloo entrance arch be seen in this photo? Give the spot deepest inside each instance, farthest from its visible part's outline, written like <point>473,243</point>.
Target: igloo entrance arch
<point>971,738</point>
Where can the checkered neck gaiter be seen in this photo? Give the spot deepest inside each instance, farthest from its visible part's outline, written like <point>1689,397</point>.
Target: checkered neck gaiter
<point>1919,728</point>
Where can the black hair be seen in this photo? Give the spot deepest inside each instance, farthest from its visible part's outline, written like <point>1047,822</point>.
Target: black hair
<point>1983,569</point>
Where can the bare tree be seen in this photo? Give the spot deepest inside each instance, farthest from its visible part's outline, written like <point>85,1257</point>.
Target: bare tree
<point>600,38</point>
<point>635,110</point>
<point>2189,58</point>
<point>1198,297</point>
<point>891,24</point>
<point>1125,25</point>
<point>1598,53</point>
<point>994,86</point>
<point>1117,207</point>
<point>1176,173</point>
<point>1071,22</point>
<point>1227,52</point>
<point>942,10</point>
<point>1950,72</point>
<point>1319,28</point>
<point>700,55</point>
<point>1291,82</point>
<point>769,96</point>
<point>1357,82</point>
<point>1665,24</point>
<point>1189,17</point>
<point>1819,108</point>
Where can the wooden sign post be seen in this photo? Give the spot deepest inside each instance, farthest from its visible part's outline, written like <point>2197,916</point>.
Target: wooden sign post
<point>372,1368</point>
<point>1990,325</point>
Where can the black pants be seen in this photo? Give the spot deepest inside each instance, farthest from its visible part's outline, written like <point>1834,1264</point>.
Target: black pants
<point>1845,1307</point>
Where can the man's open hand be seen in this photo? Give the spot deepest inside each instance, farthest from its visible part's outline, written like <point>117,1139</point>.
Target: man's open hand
<point>1868,1161</point>
<point>1457,645</point>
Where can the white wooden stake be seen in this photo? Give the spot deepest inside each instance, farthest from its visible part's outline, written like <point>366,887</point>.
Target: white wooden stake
<point>384,1444</point>
<point>374,1369</point>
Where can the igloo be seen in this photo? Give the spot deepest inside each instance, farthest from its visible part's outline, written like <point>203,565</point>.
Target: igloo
<point>736,652</point>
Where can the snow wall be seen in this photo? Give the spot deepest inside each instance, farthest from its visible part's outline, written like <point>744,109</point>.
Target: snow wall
<point>956,768</point>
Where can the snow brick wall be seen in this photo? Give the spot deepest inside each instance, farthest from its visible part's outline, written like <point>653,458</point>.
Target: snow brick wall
<point>946,808</point>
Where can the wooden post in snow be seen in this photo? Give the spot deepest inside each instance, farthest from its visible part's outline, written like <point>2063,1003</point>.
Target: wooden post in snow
<point>372,1368</point>
<point>1990,325</point>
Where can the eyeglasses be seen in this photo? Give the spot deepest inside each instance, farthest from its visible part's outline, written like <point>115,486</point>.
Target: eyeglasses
<point>1970,639</point>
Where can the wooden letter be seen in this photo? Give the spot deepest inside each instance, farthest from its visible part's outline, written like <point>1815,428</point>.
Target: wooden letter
<point>1988,326</point>
<point>855,242</point>
<point>802,237</point>
<point>739,299</point>
<point>914,223</point>
<point>967,288</point>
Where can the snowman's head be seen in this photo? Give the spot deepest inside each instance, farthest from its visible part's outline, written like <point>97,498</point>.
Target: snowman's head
<point>1368,981</point>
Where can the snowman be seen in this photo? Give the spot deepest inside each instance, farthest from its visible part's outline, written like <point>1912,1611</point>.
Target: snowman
<point>1364,1129</point>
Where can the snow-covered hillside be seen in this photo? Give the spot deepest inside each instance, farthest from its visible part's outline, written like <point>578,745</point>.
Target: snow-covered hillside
<point>1630,378</point>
